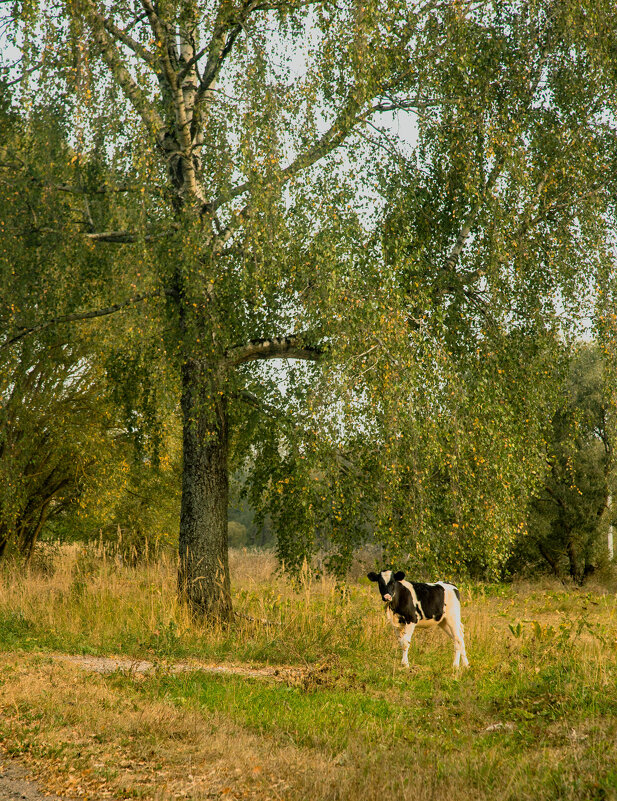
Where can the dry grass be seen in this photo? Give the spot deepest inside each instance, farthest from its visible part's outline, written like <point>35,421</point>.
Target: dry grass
<point>534,718</point>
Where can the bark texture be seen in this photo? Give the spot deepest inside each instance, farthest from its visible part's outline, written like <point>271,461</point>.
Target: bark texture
<point>203,576</point>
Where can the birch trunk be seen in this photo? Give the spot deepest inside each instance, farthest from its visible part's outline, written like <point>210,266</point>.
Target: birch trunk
<point>203,575</point>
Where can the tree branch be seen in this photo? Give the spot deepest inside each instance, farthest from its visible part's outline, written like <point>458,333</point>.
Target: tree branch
<point>238,219</point>
<point>23,75</point>
<point>287,347</point>
<point>262,406</point>
<point>228,25</point>
<point>115,237</point>
<point>471,218</point>
<point>122,36</point>
<point>219,48</point>
<point>340,128</point>
<point>114,61</point>
<point>124,237</point>
<point>76,316</point>
<point>410,105</point>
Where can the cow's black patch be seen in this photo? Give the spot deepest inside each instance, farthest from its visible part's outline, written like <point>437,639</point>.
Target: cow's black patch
<point>402,603</point>
<point>430,603</point>
<point>431,599</point>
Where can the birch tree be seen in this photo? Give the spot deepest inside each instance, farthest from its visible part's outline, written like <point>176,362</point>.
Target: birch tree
<point>500,232</point>
<point>497,236</point>
<point>212,121</point>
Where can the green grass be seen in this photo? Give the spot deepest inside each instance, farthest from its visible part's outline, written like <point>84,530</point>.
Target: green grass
<point>321,718</point>
<point>329,714</point>
<point>432,722</point>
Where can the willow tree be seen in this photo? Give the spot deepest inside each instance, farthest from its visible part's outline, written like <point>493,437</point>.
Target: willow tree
<point>204,136</point>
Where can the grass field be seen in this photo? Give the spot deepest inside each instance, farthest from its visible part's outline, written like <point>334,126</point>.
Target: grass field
<point>535,717</point>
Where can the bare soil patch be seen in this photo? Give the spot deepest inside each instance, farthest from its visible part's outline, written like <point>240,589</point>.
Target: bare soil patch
<point>306,677</point>
<point>111,664</point>
<point>15,784</point>
<point>141,667</point>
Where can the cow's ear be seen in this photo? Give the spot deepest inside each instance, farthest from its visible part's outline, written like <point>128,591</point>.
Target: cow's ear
<point>372,576</point>
<point>399,576</point>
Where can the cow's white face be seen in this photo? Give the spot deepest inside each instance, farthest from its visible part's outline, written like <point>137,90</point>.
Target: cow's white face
<point>386,581</point>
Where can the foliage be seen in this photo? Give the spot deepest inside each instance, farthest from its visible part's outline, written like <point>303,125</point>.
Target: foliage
<point>495,238</point>
<point>80,431</point>
<point>494,251</point>
<point>55,435</point>
<point>134,512</point>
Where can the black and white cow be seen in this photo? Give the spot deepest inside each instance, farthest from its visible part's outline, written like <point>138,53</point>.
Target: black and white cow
<point>410,604</point>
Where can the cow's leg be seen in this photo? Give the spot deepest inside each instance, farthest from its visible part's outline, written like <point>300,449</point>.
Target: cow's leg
<point>459,635</point>
<point>454,629</point>
<point>404,639</point>
<point>460,643</point>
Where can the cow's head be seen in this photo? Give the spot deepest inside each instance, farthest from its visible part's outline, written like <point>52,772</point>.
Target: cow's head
<point>386,580</point>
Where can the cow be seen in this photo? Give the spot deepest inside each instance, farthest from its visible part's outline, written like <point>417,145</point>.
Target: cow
<point>410,604</point>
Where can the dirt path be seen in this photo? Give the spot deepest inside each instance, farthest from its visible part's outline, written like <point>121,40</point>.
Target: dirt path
<point>16,786</point>
<point>111,664</point>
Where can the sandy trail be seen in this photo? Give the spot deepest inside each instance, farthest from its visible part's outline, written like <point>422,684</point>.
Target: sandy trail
<point>15,785</point>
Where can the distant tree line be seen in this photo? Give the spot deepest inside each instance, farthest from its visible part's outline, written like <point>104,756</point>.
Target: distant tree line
<point>570,512</point>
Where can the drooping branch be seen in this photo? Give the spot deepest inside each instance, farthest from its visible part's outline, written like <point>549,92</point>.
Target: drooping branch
<point>127,237</point>
<point>287,347</point>
<point>239,218</point>
<point>257,403</point>
<point>25,74</point>
<point>24,331</point>
<point>331,139</point>
<point>413,104</point>
<point>229,24</point>
<point>116,237</point>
